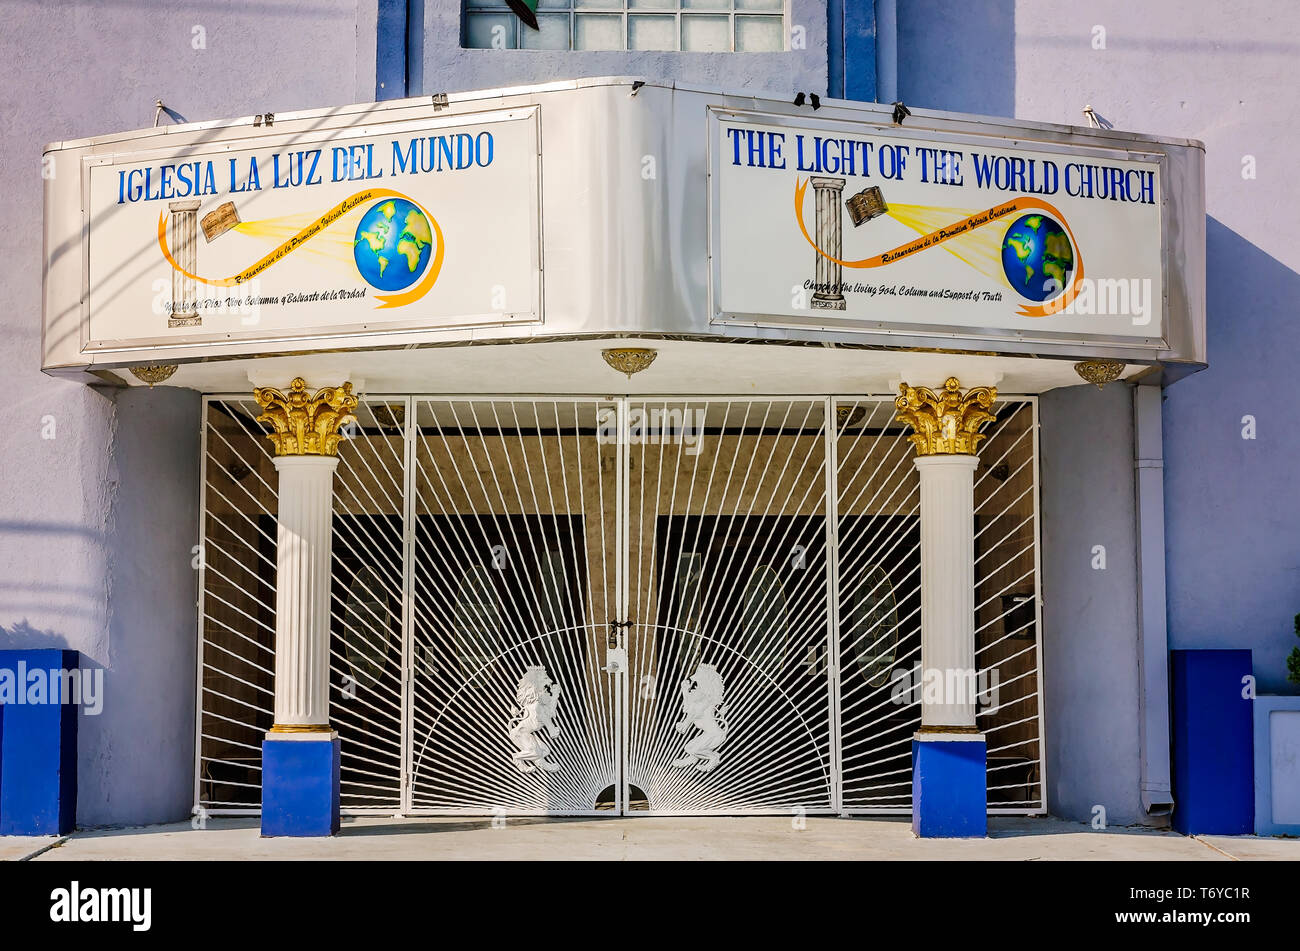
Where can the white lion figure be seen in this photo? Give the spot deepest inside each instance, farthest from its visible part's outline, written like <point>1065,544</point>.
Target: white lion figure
<point>702,708</point>
<point>536,698</point>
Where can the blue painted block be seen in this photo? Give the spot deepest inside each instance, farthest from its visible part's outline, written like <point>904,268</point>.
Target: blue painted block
<point>38,745</point>
<point>300,787</point>
<point>949,788</point>
<point>1213,726</point>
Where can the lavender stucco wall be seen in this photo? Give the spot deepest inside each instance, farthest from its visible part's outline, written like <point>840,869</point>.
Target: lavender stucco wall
<point>1231,522</point>
<point>1232,528</point>
<point>1090,653</point>
<point>96,523</point>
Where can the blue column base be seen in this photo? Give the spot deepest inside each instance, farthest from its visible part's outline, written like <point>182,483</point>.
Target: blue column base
<point>300,787</point>
<point>38,751</point>
<point>949,787</point>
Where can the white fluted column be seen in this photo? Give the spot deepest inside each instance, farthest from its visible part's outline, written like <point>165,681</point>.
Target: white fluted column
<point>946,426</point>
<point>947,592</point>
<point>301,756</point>
<point>305,433</point>
<point>302,593</point>
<point>949,758</point>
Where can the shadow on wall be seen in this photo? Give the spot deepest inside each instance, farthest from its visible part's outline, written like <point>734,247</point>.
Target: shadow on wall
<point>1231,453</point>
<point>31,593</point>
<point>958,57</point>
<point>22,636</point>
<point>89,695</point>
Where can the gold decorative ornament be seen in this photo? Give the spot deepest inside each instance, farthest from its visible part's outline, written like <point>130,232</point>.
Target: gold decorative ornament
<point>629,360</point>
<point>306,424</point>
<point>1099,372</point>
<point>154,372</point>
<point>946,423</point>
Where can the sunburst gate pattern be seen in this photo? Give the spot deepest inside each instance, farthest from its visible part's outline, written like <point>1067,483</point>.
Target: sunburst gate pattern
<point>531,615</point>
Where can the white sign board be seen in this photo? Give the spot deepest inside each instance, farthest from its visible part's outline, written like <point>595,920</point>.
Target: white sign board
<point>425,225</point>
<point>862,228</point>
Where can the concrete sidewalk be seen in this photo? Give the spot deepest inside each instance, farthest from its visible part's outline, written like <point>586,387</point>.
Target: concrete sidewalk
<point>17,848</point>
<point>680,839</point>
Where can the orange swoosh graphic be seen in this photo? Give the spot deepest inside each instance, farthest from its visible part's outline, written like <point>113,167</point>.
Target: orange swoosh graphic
<point>965,226</point>
<point>347,205</point>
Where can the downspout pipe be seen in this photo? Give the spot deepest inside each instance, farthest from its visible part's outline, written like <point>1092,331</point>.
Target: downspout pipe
<point>1153,632</point>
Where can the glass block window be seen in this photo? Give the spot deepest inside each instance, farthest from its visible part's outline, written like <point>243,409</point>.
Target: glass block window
<point>704,26</point>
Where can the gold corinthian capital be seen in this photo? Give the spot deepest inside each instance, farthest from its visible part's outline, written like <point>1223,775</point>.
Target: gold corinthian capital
<point>305,424</point>
<point>948,422</point>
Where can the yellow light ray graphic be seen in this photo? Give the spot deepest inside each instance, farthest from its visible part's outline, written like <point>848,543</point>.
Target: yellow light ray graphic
<point>334,243</point>
<point>315,228</point>
<point>980,248</point>
<point>952,232</point>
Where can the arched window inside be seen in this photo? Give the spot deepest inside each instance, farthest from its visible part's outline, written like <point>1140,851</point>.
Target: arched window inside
<point>873,627</point>
<point>476,621</point>
<point>685,609</point>
<point>765,621</point>
<point>553,591</point>
<point>368,616</point>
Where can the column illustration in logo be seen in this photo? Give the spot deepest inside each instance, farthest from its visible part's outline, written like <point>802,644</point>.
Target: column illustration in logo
<point>827,295</point>
<point>184,239</point>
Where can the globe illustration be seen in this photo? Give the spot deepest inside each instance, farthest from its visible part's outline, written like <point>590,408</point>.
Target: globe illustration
<point>393,244</point>
<point>1037,257</point>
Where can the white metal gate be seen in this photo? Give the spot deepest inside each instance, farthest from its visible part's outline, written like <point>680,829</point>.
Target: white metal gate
<point>729,689</point>
<point>597,606</point>
<point>514,550</point>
